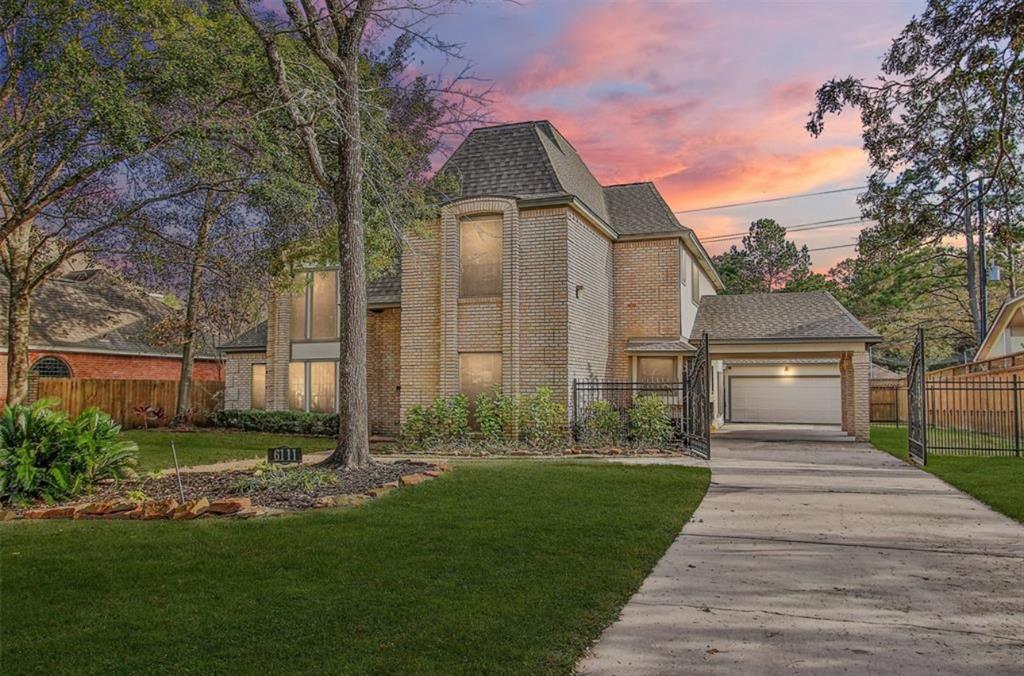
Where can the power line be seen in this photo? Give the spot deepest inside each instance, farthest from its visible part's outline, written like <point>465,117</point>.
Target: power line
<point>835,246</point>
<point>801,227</point>
<point>770,199</point>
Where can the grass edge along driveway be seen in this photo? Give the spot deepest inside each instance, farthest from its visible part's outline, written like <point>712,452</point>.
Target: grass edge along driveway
<point>502,567</point>
<point>996,481</point>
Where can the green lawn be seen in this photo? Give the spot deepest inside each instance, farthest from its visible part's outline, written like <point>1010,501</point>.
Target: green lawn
<point>209,446</point>
<point>996,481</point>
<point>503,567</point>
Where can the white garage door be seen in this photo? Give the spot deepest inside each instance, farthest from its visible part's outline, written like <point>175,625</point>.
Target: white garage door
<point>785,399</point>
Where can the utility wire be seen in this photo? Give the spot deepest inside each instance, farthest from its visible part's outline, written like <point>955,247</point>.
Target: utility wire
<point>770,199</point>
<point>836,246</point>
<point>818,225</point>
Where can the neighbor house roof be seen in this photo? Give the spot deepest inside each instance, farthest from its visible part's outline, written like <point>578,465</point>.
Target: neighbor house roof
<point>879,372</point>
<point>998,325</point>
<point>777,317</point>
<point>658,345</point>
<point>384,291</point>
<point>96,311</point>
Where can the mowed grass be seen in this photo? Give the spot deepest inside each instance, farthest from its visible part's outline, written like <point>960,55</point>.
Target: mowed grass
<point>210,446</point>
<point>503,567</point>
<point>996,481</point>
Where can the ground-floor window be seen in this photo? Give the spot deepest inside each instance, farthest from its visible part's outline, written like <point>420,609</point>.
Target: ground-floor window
<point>656,369</point>
<point>51,367</point>
<point>258,380</point>
<point>312,386</point>
<point>479,372</point>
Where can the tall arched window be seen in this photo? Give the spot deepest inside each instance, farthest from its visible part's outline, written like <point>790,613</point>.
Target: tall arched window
<point>51,367</point>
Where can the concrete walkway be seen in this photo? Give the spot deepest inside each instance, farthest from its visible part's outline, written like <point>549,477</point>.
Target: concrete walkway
<point>822,555</point>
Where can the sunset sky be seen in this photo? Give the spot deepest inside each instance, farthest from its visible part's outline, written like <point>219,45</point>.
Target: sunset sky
<point>708,100</point>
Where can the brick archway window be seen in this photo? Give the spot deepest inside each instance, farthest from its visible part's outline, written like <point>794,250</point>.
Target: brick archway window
<point>51,367</point>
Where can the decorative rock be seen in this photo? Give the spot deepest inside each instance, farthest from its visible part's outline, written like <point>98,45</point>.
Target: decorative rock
<point>125,514</point>
<point>433,474</point>
<point>380,490</point>
<point>411,480</point>
<point>615,451</point>
<point>230,505</point>
<point>95,509</point>
<point>250,513</point>
<point>390,484</point>
<point>442,467</point>
<point>350,500</point>
<point>192,509</point>
<point>159,509</point>
<point>325,501</point>
<point>66,512</point>
<point>7,515</point>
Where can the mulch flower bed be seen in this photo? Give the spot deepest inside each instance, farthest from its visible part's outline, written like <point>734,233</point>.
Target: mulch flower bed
<point>243,493</point>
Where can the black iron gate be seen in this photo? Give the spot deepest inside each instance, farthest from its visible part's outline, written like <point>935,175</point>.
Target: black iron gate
<point>917,420</point>
<point>697,410</point>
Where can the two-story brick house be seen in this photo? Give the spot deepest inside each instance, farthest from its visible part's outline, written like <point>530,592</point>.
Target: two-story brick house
<point>535,276</point>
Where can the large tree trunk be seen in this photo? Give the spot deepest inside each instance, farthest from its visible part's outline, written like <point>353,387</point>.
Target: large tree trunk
<point>18,321</point>
<point>972,268</point>
<point>188,348</point>
<point>353,449</point>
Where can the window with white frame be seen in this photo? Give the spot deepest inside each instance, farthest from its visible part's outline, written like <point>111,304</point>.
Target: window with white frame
<point>695,283</point>
<point>480,256</point>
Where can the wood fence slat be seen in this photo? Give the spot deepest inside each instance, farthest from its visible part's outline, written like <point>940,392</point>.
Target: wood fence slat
<point>118,398</point>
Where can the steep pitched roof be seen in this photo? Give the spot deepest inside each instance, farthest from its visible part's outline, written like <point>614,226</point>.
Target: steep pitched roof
<point>94,310</point>
<point>523,160</point>
<point>777,317</point>
<point>639,209</point>
<point>253,340</point>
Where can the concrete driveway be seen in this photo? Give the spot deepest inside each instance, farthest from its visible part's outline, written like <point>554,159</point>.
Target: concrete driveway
<point>815,554</point>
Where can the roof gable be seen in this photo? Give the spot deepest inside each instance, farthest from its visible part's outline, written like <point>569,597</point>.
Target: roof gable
<point>998,325</point>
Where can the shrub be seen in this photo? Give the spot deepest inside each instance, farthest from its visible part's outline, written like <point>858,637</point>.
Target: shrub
<point>304,479</point>
<point>541,420</point>
<point>278,422</point>
<point>46,455</point>
<point>445,421</point>
<point>603,424</point>
<point>495,414</point>
<point>649,420</point>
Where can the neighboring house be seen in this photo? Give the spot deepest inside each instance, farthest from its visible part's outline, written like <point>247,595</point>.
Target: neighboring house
<point>1006,332</point>
<point>534,276</point>
<point>92,324</point>
<point>885,376</point>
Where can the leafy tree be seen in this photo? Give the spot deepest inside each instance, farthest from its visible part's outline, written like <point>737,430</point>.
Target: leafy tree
<point>766,262</point>
<point>943,126</point>
<point>348,155</point>
<point>87,87</point>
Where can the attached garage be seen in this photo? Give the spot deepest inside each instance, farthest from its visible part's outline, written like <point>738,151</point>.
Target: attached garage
<point>785,399</point>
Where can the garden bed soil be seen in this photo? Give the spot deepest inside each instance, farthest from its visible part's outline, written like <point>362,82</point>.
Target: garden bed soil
<point>213,486</point>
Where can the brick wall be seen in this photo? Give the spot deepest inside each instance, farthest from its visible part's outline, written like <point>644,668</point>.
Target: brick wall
<point>279,351</point>
<point>590,316</point>
<point>421,317</point>
<point>238,379</point>
<point>383,369</point>
<point>646,299</point>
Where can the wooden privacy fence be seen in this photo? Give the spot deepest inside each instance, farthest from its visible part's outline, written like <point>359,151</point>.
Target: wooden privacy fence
<point>888,402</point>
<point>119,398</point>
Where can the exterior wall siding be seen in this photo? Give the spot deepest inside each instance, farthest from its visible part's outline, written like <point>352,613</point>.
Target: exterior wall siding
<point>238,379</point>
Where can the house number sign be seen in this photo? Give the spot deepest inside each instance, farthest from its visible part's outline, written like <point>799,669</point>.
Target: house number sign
<point>284,454</point>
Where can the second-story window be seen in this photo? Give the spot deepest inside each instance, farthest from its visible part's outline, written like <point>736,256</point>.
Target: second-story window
<point>315,306</point>
<point>480,256</point>
<point>694,284</point>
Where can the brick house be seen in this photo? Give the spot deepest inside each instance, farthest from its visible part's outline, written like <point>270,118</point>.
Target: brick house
<point>92,324</point>
<point>534,276</point>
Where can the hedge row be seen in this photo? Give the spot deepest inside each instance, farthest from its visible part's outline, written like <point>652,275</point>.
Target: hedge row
<point>279,422</point>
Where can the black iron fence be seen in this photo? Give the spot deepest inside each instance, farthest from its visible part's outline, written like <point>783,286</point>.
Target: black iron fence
<point>601,409</point>
<point>973,416</point>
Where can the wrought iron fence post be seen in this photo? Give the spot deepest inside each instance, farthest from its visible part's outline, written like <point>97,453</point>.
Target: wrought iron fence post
<point>575,412</point>
<point>1016,415</point>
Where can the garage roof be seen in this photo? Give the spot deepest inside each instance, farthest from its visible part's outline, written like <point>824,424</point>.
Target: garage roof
<point>778,317</point>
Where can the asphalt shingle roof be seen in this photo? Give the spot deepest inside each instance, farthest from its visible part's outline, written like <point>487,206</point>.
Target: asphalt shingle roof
<point>777,317</point>
<point>638,208</point>
<point>95,310</point>
<point>253,340</point>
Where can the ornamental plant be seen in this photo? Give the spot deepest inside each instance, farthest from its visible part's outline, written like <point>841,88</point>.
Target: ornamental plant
<point>603,424</point>
<point>541,420</point>
<point>649,420</point>
<point>444,422</point>
<point>495,413</point>
<point>45,455</point>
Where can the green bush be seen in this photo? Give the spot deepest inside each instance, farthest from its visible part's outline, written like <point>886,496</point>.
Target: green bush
<point>304,479</point>
<point>46,455</point>
<point>649,420</point>
<point>278,422</point>
<point>541,420</point>
<point>495,413</point>
<point>444,422</point>
<point>603,424</point>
